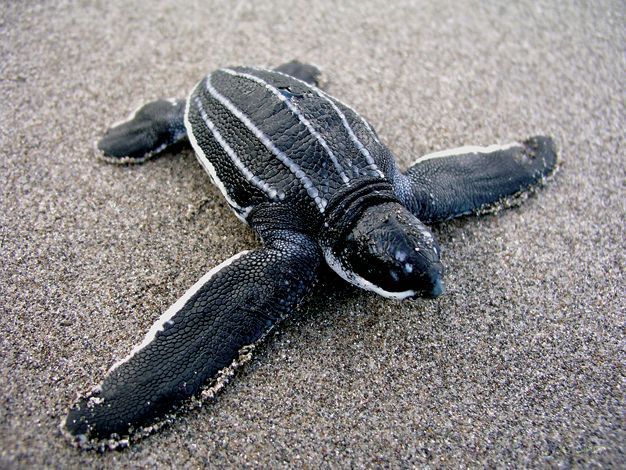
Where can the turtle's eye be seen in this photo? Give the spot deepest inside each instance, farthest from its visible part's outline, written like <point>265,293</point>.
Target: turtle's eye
<point>391,252</point>
<point>287,92</point>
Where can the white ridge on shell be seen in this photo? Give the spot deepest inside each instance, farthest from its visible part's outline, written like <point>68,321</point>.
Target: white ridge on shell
<point>271,192</point>
<point>310,188</point>
<point>240,212</point>
<point>299,115</point>
<point>330,99</point>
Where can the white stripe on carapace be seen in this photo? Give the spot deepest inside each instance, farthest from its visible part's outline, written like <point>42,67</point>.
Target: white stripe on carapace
<point>467,150</point>
<point>299,115</point>
<point>355,139</point>
<point>361,118</point>
<point>344,121</point>
<point>168,316</point>
<point>271,192</point>
<point>358,281</point>
<point>240,212</point>
<point>310,188</point>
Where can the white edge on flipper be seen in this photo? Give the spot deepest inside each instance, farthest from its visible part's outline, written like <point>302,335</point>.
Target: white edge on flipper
<point>159,325</point>
<point>358,281</point>
<point>100,155</point>
<point>467,150</point>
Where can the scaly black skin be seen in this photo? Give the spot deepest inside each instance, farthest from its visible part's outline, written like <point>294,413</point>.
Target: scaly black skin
<point>442,189</point>
<point>335,196</point>
<point>235,308</point>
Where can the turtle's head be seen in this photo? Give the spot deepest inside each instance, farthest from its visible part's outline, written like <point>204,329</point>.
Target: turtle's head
<point>389,251</point>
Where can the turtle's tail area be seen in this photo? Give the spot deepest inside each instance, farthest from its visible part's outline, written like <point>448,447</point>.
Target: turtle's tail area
<point>147,131</point>
<point>308,73</point>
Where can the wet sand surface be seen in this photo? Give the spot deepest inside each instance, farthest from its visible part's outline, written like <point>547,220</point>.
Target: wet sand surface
<point>520,363</point>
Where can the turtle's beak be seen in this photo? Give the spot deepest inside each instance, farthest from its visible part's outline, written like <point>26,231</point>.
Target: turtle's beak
<point>437,290</point>
<point>434,279</point>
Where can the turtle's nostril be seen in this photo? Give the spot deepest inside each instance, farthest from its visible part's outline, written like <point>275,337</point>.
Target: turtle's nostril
<point>435,285</point>
<point>437,289</point>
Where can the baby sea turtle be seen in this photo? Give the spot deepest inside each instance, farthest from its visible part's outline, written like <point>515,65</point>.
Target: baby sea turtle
<point>311,177</point>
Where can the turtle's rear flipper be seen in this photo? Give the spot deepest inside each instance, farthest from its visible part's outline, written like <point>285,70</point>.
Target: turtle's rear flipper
<point>305,72</point>
<point>148,131</point>
<point>467,180</point>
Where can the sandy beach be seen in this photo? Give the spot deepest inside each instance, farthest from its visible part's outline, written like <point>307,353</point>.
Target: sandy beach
<point>520,364</point>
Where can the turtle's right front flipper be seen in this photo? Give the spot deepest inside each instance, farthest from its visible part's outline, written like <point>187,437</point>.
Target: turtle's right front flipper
<point>148,131</point>
<point>198,338</point>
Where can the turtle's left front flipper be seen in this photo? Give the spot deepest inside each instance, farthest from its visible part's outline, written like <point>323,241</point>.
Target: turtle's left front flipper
<point>148,131</point>
<point>199,338</point>
<point>467,180</point>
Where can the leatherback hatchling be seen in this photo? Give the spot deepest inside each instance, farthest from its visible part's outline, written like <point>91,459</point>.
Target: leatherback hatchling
<point>314,181</point>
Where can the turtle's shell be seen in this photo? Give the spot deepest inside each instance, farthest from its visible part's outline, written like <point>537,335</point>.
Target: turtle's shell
<point>266,137</point>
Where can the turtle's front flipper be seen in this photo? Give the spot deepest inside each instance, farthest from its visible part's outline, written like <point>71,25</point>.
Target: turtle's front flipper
<point>149,130</point>
<point>466,180</point>
<point>199,339</point>
<point>305,72</point>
